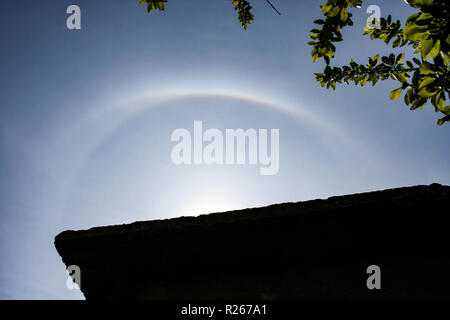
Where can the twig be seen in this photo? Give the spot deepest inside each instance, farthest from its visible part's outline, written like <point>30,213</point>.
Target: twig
<point>273,7</point>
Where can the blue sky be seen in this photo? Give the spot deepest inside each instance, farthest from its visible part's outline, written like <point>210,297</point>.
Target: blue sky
<point>86,118</point>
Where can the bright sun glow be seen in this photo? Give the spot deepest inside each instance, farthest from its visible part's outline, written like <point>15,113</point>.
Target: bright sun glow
<point>208,203</point>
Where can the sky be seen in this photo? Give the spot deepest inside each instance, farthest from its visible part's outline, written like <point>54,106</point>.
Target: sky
<point>86,118</point>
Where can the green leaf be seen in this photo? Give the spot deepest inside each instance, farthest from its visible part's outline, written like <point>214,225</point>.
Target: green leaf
<point>426,82</point>
<point>408,96</point>
<point>435,50</point>
<point>395,94</point>
<point>376,59</point>
<point>424,93</point>
<point>426,68</point>
<point>326,8</point>
<point>425,47</point>
<point>334,12</point>
<point>415,32</point>
<point>344,14</point>
<point>441,102</point>
<point>401,76</point>
<point>444,119</point>
<point>445,57</point>
<point>363,81</point>
<point>400,57</point>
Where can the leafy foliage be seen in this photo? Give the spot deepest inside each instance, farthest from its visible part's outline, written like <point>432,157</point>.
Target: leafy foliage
<point>243,8</point>
<point>425,78</point>
<point>154,4</point>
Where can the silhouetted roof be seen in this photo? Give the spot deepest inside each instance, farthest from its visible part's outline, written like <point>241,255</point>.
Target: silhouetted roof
<point>164,258</point>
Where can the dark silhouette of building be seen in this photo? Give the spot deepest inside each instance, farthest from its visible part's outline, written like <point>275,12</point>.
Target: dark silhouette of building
<point>317,249</point>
